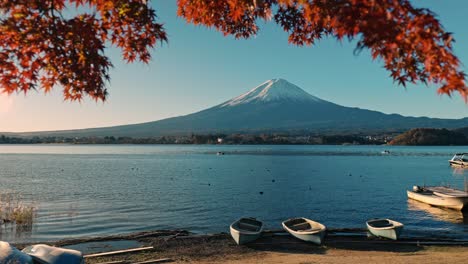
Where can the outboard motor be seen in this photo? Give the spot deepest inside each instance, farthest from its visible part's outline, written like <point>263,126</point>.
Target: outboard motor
<point>417,188</point>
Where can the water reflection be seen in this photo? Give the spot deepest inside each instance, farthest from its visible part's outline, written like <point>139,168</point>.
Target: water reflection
<point>457,171</point>
<point>14,232</point>
<point>461,173</point>
<point>447,215</point>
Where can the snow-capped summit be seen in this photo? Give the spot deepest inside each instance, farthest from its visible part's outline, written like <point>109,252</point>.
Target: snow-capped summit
<point>272,90</point>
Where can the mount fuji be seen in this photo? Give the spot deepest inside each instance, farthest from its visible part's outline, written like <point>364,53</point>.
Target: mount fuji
<point>274,106</point>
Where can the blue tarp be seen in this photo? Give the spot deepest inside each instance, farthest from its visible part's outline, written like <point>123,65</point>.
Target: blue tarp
<point>11,255</point>
<point>45,254</point>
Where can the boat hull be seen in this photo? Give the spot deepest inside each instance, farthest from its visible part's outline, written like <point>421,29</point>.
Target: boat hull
<point>243,237</point>
<point>457,203</point>
<point>458,164</point>
<point>315,238</point>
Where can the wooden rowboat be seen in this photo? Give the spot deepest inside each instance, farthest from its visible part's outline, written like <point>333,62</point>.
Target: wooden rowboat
<point>246,230</point>
<point>384,228</point>
<point>305,229</point>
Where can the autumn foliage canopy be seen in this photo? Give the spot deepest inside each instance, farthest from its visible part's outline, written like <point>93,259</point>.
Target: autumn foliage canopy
<point>42,45</point>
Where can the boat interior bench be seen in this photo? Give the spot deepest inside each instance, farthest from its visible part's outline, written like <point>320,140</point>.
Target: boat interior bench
<point>380,223</point>
<point>301,227</point>
<point>248,227</point>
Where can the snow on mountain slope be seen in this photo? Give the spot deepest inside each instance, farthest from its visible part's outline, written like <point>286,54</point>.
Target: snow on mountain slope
<point>272,90</point>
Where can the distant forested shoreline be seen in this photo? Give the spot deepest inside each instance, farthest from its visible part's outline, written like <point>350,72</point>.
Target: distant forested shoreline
<point>413,137</point>
<point>432,137</point>
<point>232,139</point>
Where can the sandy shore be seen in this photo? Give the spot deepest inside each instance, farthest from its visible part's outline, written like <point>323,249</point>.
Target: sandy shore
<point>430,255</point>
<point>272,248</point>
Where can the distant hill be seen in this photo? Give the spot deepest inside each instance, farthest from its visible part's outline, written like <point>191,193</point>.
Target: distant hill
<point>276,106</point>
<point>430,137</point>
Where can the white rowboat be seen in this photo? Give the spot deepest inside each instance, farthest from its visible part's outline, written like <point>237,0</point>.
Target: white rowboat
<point>384,228</point>
<point>246,230</point>
<point>305,229</point>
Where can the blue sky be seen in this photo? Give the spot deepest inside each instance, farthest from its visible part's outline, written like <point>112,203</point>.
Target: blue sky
<point>199,68</point>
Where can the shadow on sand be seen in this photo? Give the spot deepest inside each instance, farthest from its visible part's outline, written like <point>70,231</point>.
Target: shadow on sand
<point>363,243</point>
<point>285,244</point>
<point>186,247</point>
<point>289,244</point>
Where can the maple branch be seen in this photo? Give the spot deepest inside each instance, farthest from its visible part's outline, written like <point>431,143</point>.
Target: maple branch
<point>411,42</point>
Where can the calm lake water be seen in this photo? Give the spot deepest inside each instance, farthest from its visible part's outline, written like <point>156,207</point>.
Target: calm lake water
<point>101,189</point>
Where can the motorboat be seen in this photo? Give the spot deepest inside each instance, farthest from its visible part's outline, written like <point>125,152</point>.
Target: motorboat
<point>459,160</point>
<point>440,196</point>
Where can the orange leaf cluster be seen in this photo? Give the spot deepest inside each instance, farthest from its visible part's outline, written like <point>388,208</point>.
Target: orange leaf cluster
<point>43,46</point>
<point>40,46</point>
<point>411,41</point>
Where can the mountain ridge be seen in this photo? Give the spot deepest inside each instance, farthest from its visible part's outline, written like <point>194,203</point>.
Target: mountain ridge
<point>273,106</point>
